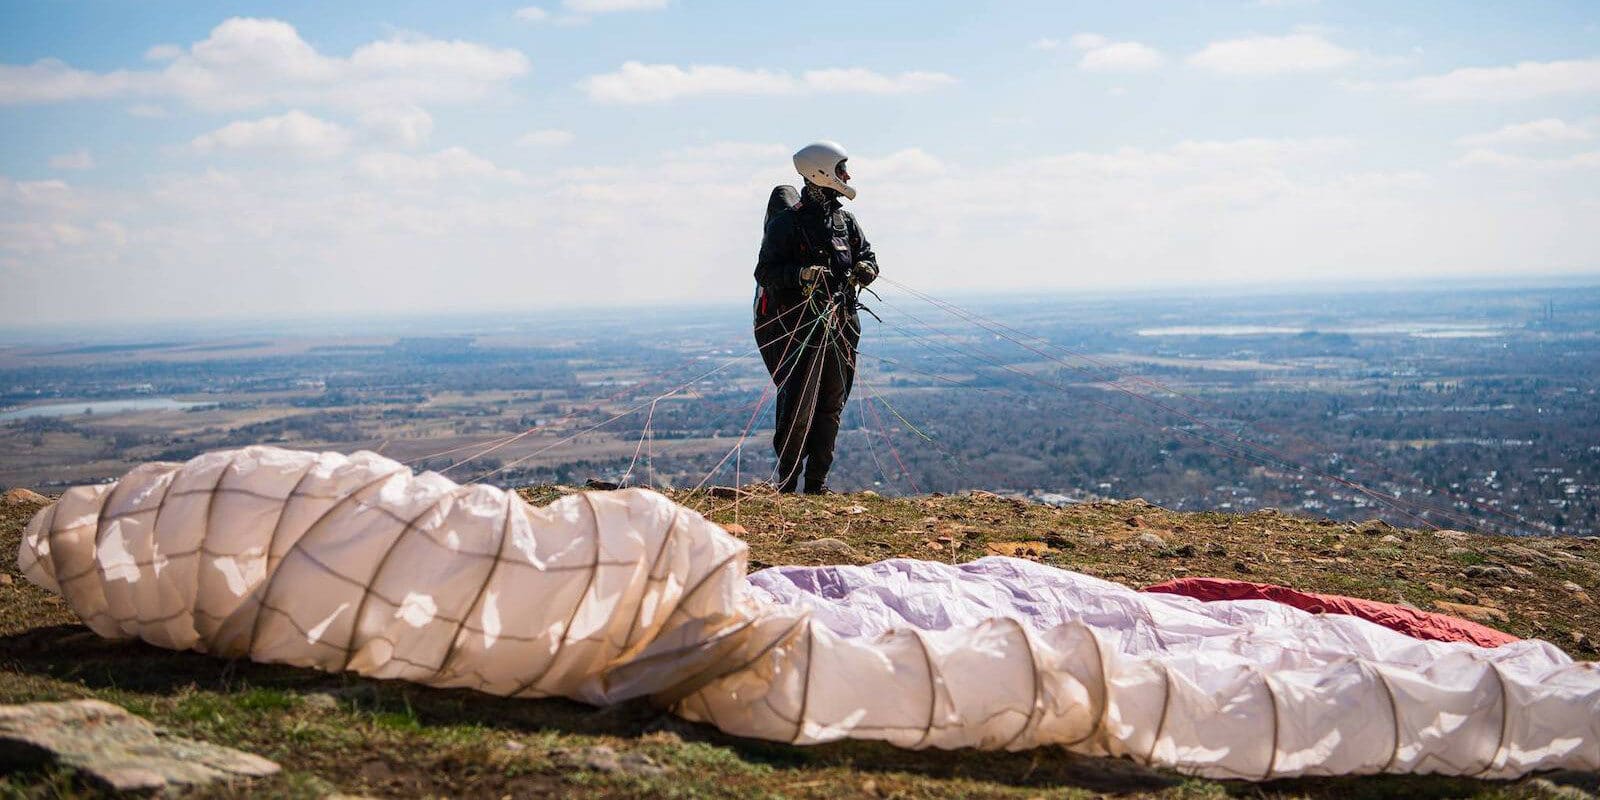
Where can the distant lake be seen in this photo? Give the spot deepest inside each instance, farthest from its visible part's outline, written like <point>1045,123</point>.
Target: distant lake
<point>1421,330</point>
<point>100,407</point>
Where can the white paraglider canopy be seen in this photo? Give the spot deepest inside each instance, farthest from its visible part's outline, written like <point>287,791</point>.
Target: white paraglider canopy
<point>354,563</point>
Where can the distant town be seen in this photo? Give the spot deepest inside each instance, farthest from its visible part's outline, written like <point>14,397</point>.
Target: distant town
<point>1458,409</point>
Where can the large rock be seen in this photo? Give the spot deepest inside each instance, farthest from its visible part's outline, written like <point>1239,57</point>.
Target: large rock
<point>122,752</point>
<point>25,497</point>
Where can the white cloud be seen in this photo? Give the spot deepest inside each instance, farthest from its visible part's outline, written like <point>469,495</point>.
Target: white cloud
<point>1538,131</point>
<point>249,63</point>
<point>636,83</point>
<point>612,6</point>
<point>452,163</point>
<point>912,163</point>
<point>1523,81</point>
<point>531,14</point>
<point>310,239</point>
<point>1273,55</point>
<point>1192,158</point>
<point>296,133</point>
<point>1103,55</point>
<point>547,137</point>
<point>1487,157</point>
<point>50,80</point>
<point>163,52</point>
<point>407,126</point>
<point>865,81</point>
<point>727,152</point>
<point>77,159</point>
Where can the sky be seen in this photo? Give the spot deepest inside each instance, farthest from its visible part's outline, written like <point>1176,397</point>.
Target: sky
<point>171,161</point>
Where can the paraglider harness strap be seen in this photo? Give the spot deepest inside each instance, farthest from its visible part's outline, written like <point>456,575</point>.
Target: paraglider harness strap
<point>855,302</point>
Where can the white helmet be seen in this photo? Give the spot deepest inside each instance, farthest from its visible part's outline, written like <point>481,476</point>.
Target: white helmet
<point>822,163</point>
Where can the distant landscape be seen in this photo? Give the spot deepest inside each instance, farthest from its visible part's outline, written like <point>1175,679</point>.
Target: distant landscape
<point>1467,409</point>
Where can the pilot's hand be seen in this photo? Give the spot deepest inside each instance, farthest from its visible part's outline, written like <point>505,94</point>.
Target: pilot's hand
<point>864,272</point>
<point>812,274</point>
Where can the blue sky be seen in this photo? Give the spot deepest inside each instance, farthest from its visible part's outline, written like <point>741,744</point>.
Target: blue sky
<point>175,160</point>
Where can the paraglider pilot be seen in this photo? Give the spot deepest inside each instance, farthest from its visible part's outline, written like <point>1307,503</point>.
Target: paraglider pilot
<point>813,261</point>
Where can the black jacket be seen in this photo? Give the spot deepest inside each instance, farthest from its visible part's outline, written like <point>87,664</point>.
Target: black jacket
<point>809,234</point>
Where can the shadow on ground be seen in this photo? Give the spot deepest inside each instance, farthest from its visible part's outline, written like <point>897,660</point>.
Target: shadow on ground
<point>71,653</point>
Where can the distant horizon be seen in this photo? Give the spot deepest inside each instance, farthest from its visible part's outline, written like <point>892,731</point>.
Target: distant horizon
<point>372,322</point>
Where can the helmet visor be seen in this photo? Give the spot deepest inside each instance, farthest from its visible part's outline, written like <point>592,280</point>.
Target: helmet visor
<point>842,172</point>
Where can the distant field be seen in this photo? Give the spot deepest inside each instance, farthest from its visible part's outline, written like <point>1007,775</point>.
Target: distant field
<point>1339,399</point>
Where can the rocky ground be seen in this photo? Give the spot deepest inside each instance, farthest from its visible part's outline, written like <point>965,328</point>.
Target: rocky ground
<point>336,733</point>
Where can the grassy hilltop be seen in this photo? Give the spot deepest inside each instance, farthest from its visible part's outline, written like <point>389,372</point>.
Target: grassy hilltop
<point>338,733</point>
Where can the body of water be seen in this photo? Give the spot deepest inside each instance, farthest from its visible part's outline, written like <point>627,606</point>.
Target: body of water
<point>1421,330</point>
<point>99,407</point>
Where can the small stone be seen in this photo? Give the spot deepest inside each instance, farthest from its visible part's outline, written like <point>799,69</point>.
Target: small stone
<point>640,764</point>
<point>1151,540</point>
<point>1476,613</point>
<point>1486,572</point>
<point>320,701</point>
<point>1462,594</point>
<point>514,746</point>
<point>1392,539</point>
<point>1517,552</point>
<point>600,758</point>
<point>1457,551</point>
<point>1017,549</point>
<point>376,770</point>
<point>5,580</point>
<point>1452,536</point>
<point>854,510</point>
<point>827,547</point>
<point>868,493</point>
<point>1135,521</point>
<point>1571,587</point>
<point>25,497</point>
<point>736,529</point>
<point>1437,588</point>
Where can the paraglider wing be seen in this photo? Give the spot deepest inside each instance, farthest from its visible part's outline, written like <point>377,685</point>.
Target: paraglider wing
<point>355,563</point>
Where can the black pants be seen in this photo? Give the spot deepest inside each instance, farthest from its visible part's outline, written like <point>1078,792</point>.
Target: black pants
<point>812,361</point>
